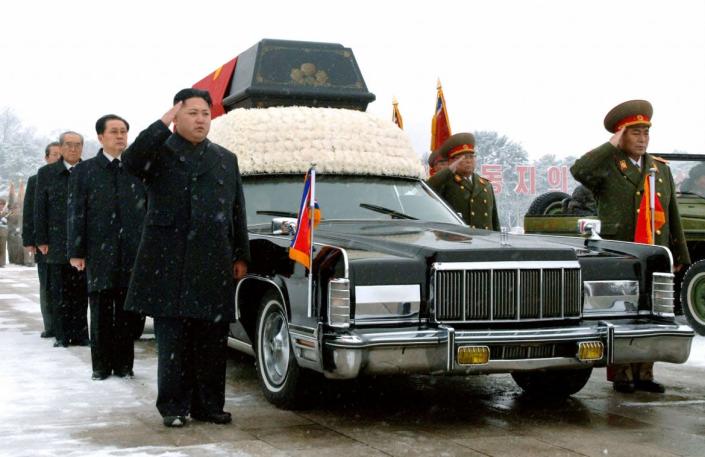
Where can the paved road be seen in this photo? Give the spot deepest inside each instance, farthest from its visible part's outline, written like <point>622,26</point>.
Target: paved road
<point>49,406</point>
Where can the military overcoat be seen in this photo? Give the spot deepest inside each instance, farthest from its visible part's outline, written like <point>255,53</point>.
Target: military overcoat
<point>618,186</point>
<point>474,200</point>
<point>106,212</point>
<point>195,227</point>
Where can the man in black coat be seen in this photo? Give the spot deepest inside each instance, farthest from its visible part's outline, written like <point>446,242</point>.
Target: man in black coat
<point>52,153</point>
<point>193,248</point>
<point>106,212</point>
<point>67,286</point>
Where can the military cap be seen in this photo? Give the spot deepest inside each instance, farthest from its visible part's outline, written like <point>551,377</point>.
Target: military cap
<point>632,112</point>
<point>460,143</point>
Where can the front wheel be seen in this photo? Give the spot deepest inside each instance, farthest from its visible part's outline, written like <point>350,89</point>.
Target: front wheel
<point>693,296</point>
<point>278,373</point>
<point>552,383</point>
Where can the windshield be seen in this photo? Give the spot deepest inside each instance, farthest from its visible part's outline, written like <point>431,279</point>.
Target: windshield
<point>344,197</point>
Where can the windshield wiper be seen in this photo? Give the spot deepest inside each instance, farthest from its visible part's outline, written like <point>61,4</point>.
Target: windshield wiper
<point>278,213</point>
<point>383,210</point>
<point>690,193</point>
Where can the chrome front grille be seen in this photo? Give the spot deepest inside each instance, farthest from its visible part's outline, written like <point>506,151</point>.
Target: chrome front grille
<point>506,291</point>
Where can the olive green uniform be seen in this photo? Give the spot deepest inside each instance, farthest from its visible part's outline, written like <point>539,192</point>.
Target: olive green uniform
<point>613,178</point>
<point>618,186</point>
<point>472,198</point>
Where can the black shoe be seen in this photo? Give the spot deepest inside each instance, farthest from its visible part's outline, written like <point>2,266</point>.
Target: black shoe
<point>60,344</point>
<point>46,334</point>
<point>223,417</point>
<point>99,375</point>
<point>650,386</point>
<point>174,421</point>
<point>625,387</point>
<point>85,342</point>
<point>126,373</point>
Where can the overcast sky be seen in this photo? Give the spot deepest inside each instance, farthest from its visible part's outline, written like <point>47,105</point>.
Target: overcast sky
<point>544,73</point>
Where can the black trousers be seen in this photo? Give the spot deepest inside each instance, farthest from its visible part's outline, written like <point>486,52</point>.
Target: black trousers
<point>44,303</point>
<point>112,347</point>
<point>69,298</point>
<point>191,366</point>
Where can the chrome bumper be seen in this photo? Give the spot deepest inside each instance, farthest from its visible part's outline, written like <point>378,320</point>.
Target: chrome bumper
<point>434,350</point>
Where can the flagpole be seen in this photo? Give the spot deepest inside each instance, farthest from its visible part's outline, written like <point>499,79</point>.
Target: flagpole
<point>652,202</point>
<point>312,217</point>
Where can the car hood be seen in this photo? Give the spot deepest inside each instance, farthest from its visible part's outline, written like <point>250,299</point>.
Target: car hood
<point>439,242</point>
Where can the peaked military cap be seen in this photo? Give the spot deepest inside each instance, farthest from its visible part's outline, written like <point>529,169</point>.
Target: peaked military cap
<point>632,112</point>
<point>460,143</point>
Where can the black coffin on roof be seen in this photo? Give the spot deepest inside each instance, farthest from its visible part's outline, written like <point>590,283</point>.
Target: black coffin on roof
<point>301,73</point>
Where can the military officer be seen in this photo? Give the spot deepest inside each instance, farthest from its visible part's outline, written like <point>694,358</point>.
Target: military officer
<point>615,173</point>
<point>436,163</point>
<point>465,191</point>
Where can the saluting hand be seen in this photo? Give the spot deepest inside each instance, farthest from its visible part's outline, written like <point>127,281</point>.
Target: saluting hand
<point>169,116</point>
<point>617,138</point>
<point>79,264</point>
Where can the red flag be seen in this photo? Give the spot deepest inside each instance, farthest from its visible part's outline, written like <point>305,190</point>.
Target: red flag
<point>396,115</point>
<point>300,248</point>
<point>440,125</point>
<point>643,233</point>
<point>218,84</point>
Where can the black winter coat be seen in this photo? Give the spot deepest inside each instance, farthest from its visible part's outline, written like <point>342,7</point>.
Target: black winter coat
<point>106,212</point>
<point>50,204</point>
<point>28,217</point>
<point>195,227</point>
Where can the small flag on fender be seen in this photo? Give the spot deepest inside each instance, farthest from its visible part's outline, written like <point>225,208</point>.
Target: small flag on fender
<point>309,217</point>
<point>643,233</point>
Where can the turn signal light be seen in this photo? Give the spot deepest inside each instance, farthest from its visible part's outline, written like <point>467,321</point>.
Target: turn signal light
<point>590,350</point>
<point>473,355</point>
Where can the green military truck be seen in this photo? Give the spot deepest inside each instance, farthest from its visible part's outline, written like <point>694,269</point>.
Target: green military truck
<point>558,213</point>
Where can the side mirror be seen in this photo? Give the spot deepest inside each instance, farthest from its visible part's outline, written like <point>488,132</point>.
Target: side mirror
<point>590,228</point>
<point>283,226</point>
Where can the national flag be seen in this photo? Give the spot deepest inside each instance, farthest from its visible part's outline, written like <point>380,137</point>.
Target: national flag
<point>218,85</point>
<point>396,115</point>
<point>440,125</point>
<point>300,248</point>
<point>643,233</point>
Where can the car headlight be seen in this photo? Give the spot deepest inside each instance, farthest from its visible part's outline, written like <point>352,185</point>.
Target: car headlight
<point>389,303</point>
<point>610,297</point>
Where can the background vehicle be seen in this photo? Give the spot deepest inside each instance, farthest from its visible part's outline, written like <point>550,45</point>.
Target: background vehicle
<point>550,214</point>
<point>398,283</point>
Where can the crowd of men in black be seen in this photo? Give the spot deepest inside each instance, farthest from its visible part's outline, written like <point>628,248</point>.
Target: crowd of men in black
<point>121,231</point>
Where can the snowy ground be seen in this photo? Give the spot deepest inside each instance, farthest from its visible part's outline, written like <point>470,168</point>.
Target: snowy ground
<point>49,406</point>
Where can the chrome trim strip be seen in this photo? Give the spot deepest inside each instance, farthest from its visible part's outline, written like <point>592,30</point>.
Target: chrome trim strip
<point>511,265</point>
<point>240,346</point>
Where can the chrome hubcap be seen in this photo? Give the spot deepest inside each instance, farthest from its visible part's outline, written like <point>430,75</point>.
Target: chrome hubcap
<point>275,347</point>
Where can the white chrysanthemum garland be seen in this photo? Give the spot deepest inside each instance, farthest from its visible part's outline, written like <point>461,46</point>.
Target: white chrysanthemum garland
<point>340,141</point>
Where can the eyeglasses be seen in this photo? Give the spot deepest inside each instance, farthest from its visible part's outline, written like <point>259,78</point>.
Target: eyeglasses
<point>72,145</point>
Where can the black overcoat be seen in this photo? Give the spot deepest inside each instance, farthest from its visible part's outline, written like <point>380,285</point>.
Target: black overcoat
<point>195,227</point>
<point>106,212</point>
<point>28,217</point>
<point>50,205</point>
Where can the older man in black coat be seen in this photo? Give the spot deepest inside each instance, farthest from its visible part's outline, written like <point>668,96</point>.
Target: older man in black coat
<point>52,153</point>
<point>193,248</point>
<point>67,286</point>
<point>106,213</point>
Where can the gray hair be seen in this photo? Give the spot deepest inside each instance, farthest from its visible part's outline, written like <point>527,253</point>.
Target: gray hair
<point>69,132</point>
